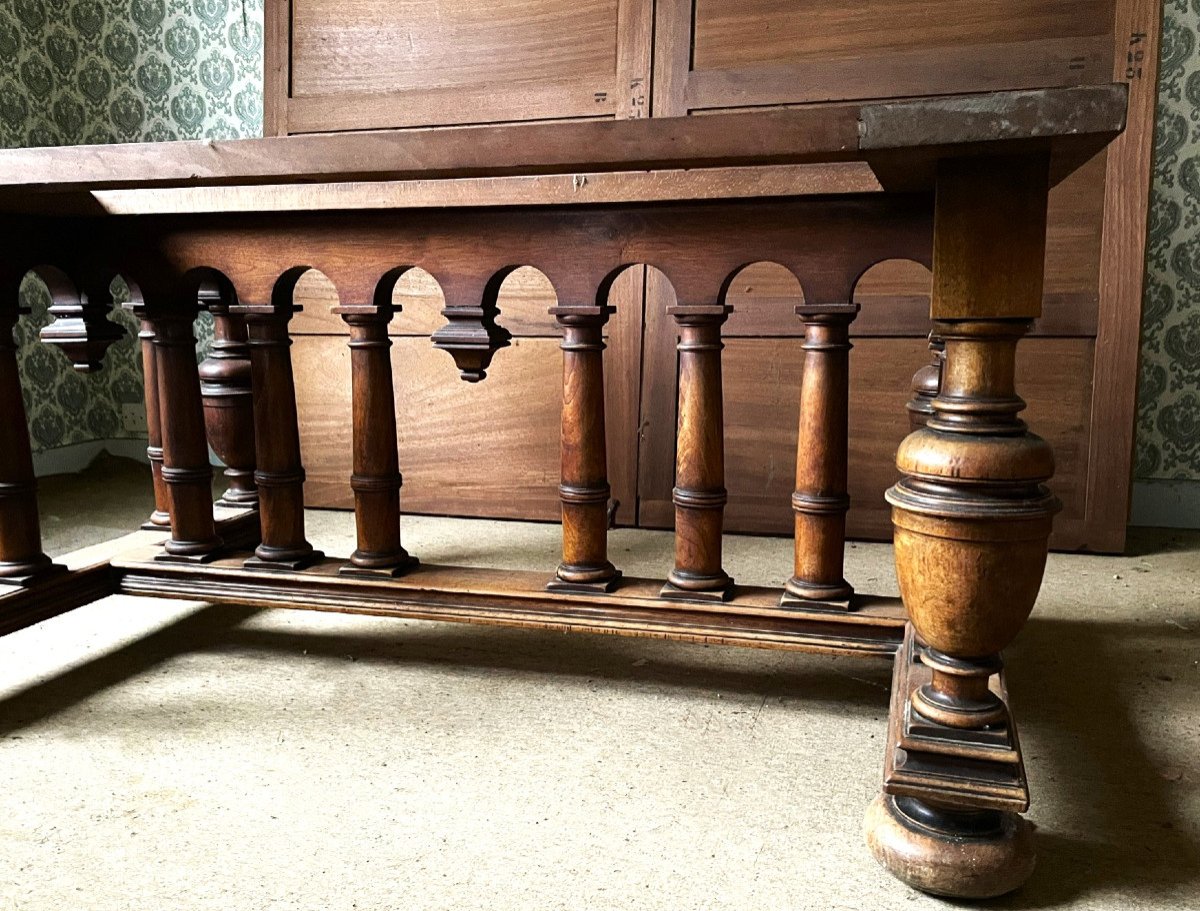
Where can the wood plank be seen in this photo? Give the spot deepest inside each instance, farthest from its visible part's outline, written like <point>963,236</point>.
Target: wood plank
<point>558,189</point>
<point>453,106</point>
<point>927,70</point>
<point>342,47</point>
<point>277,64</point>
<point>1077,117</point>
<point>739,33</point>
<point>519,599</point>
<point>1137,27</point>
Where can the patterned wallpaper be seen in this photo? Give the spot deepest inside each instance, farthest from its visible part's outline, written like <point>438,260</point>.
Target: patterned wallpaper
<point>98,71</point>
<point>127,70</point>
<point>1168,431</point>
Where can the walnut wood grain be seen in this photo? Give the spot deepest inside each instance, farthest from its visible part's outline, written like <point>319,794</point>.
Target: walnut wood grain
<point>22,560</point>
<point>185,469</point>
<point>820,501</point>
<point>584,490</point>
<point>1076,122</point>
<point>279,473</point>
<point>376,479</point>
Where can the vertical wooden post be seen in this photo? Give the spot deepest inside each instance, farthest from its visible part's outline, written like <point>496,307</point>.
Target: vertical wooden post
<point>160,519</point>
<point>22,561</point>
<point>584,489</point>
<point>186,471</point>
<point>699,493</point>
<point>228,399</point>
<point>376,480</point>
<point>820,501</point>
<point>279,473</point>
<point>972,518</point>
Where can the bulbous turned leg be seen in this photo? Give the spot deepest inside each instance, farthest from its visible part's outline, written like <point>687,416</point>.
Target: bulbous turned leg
<point>225,385</point>
<point>972,519</point>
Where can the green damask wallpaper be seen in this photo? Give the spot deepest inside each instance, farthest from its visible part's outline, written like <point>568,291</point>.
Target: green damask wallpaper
<point>1168,432</point>
<point>97,71</point>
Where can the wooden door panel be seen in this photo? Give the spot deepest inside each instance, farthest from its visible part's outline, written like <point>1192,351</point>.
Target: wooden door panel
<point>390,45</point>
<point>739,33</point>
<point>722,54</point>
<point>378,64</point>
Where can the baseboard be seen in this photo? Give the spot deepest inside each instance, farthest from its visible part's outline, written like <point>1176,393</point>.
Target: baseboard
<point>1166,504</point>
<point>70,459</point>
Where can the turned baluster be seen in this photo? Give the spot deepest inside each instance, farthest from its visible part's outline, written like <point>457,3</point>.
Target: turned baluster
<point>228,401</point>
<point>584,489</point>
<point>279,473</point>
<point>376,478</point>
<point>820,501</point>
<point>186,471</point>
<point>925,384</point>
<point>160,519</point>
<point>699,493</point>
<point>22,561</point>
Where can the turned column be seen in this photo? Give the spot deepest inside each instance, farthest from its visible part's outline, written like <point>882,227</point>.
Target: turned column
<point>186,471</point>
<point>279,474</point>
<point>228,401</point>
<point>584,489</point>
<point>22,561</point>
<point>160,519</point>
<point>699,493</point>
<point>376,479</point>
<point>820,501</point>
<point>972,517</point>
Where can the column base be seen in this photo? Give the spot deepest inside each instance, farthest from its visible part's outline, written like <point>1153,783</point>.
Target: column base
<point>23,575</point>
<point>703,589</point>
<point>285,561</point>
<point>190,551</point>
<point>383,570</point>
<point>816,596</point>
<point>956,853</point>
<point>158,521</point>
<point>599,586</point>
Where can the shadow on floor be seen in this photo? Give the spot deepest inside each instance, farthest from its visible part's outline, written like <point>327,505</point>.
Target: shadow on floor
<point>1113,820</point>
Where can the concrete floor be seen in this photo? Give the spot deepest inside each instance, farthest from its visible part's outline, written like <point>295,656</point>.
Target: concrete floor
<point>183,756</point>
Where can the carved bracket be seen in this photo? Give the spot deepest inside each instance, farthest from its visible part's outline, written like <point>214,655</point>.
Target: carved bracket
<point>471,337</point>
<point>81,328</point>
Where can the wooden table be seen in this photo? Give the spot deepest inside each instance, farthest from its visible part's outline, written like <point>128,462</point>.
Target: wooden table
<point>958,183</point>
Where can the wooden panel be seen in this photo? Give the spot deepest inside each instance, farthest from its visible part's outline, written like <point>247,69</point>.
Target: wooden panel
<point>778,51</point>
<point>361,46</point>
<point>447,428</point>
<point>525,299</point>
<point>457,456</point>
<point>762,381</point>
<point>364,64</point>
<point>1137,28</point>
<point>737,33</point>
